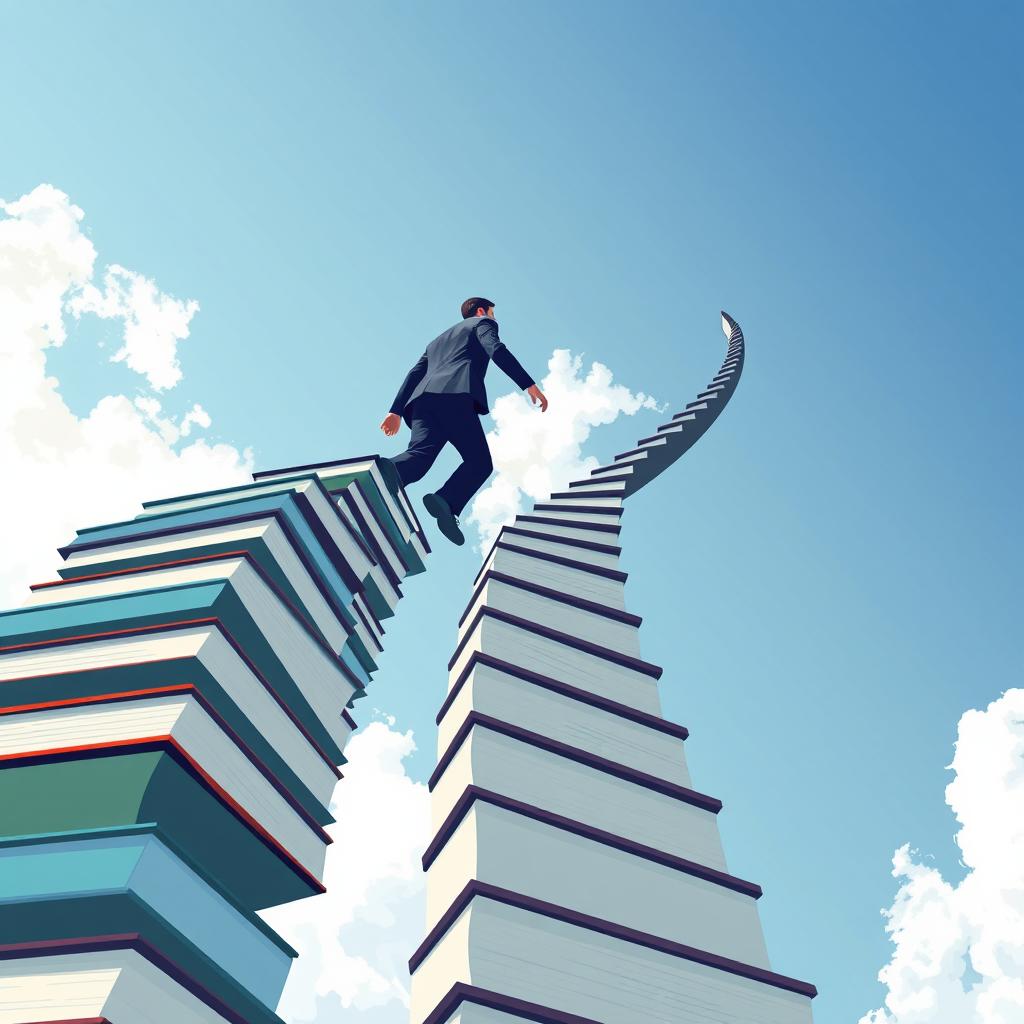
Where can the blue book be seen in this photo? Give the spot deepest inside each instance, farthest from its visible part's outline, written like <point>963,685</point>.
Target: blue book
<point>306,675</point>
<point>279,540</point>
<point>48,882</point>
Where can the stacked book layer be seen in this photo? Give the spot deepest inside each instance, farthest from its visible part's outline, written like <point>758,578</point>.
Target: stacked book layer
<point>576,874</point>
<point>174,710</point>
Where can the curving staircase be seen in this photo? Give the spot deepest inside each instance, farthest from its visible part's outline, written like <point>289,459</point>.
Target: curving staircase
<point>576,875</point>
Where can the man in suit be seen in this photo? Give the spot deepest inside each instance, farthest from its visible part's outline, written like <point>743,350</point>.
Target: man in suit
<point>442,400</point>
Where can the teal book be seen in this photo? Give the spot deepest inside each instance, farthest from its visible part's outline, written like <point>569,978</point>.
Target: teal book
<point>286,523</point>
<point>117,785</point>
<point>303,674</point>
<point>196,660</point>
<point>181,723</point>
<point>75,885</point>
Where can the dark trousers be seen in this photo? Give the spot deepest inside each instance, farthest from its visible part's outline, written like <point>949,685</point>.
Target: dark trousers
<point>436,421</point>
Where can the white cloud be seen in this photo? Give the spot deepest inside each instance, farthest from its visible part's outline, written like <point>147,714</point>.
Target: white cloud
<point>535,454</point>
<point>63,471</point>
<point>154,323</point>
<point>170,430</point>
<point>354,941</point>
<point>959,947</point>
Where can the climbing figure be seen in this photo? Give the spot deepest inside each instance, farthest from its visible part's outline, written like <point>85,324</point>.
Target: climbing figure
<point>442,400</point>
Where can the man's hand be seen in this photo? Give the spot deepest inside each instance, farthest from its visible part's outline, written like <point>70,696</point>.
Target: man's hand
<point>536,395</point>
<point>392,423</point>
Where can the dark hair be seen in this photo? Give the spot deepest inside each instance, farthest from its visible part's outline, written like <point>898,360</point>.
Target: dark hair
<point>470,306</point>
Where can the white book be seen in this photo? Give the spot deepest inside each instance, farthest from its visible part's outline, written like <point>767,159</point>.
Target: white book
<point>378,532</point>
<point>380,578</point>
<point>119,985</point>
<point>398,508</point>
<point>563,616</point>
<point>568,510</point>
<point>376,630</point>
<point>564,786</point>
<point>590,484</point>
<point>509,698</point>
<point>195,732</point>
<point>417,539</point>
<point>573,500</point>
<point>315,670</point>
<point>541,523</point>
<point>340,532</point>
<point>164,548</point>
<point>529,649</point>
<point>514,559</point>
<point>514,851</point>
<point>631,459</point>
<point>560,547</point>
<point>656,442</point>
<point>614,469</point>
<point>208,646</point>
<point>600,977</point>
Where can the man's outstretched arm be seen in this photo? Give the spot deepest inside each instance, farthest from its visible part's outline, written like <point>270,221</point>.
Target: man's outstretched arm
<point>487,335</point>
<point>393,420</point>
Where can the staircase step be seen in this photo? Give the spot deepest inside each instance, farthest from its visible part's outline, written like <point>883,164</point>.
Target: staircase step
<point>536,522</point>
<point>589,493</point>
<point>605,549</point>
<point>593,510</point>
<point>629,457</point>
<point>660,436</point>
<point>656,442</point>
<point>586,486</point>
<point>612,469</point>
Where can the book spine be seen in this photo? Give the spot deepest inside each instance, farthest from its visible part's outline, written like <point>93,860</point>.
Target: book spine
<point>173,719</point>
<point>569,839</point>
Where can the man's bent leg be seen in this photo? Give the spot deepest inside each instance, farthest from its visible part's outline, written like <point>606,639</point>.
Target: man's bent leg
<point>427,440</point>
<point>466,433</point>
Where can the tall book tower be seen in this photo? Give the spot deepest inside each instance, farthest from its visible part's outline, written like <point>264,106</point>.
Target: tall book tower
<point>173,714</point>
<point>174,711</point>
<point>575,875</point>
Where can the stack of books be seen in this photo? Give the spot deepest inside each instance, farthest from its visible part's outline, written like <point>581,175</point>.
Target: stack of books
<point>575,874</point>
<point>174,710</point>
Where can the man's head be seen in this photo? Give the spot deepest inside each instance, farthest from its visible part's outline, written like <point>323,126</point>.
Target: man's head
<point>477,306</point>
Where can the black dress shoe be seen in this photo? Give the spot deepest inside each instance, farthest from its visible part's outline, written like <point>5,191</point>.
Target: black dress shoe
<point>446,521</point>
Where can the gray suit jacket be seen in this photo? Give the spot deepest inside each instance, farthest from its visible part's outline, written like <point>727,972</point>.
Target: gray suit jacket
<point>455,362</point>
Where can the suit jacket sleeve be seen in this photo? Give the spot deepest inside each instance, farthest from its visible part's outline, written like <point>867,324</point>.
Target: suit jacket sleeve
<point>413,377</point>
<point>487,335</point>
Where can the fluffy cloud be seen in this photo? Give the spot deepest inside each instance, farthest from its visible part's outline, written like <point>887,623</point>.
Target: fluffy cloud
<point>535,455</point>
<point>354,941</point>
<point>959,948</point>
<point>65,471</point>
<point>153,322</point>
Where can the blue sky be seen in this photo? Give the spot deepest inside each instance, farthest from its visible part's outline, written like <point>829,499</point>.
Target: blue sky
<point>832,576</point>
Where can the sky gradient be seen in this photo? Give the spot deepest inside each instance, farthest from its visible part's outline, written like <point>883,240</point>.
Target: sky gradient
<point>831,577</point>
